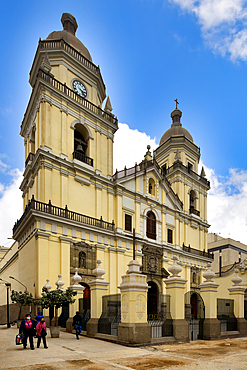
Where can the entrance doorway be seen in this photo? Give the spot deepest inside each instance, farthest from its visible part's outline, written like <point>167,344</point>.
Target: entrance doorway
<point>153,301</point>
<point>194,314</point>
<point>84,306</point>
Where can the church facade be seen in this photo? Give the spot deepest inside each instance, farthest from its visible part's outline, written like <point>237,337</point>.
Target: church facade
<point>76,209</point>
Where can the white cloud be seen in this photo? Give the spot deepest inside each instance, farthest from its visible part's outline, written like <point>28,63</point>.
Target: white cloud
<point>223,24</point>
<point>130,146</point>
<point>227,204</point>
<point>10,206</point>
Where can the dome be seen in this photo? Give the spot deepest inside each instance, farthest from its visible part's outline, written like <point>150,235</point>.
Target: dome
<point>68,34</point>
<point>176,128</point>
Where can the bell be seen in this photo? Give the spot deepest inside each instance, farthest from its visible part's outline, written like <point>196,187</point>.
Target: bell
<point>79,147</point>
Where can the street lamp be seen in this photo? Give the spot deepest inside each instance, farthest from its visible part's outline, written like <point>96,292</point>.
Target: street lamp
<point>8,285</point>
<point>12,277</point>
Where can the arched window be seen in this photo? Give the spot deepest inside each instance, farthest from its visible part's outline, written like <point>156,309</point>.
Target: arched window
<point>151,225</point>
<point>192,201</point>
<point>80,144</point>
<point>151,187</point>
<point>81,147</point>
<point>82,260</point>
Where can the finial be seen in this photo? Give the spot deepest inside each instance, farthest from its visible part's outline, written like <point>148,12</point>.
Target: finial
<point>175,269</point>
<point>148,155</point>
<point>99,272</point>
<point>76,279</point>
<point>209,274</point>
<point>60,283</point>
<point>108,106</point>
<point>47,285</point>
<point>203,174</point>
<point>237,280</point>
<point>69,23</point>
<point>176,100</point>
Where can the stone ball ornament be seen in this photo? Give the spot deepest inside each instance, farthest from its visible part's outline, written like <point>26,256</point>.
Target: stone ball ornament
<point>175,269</point>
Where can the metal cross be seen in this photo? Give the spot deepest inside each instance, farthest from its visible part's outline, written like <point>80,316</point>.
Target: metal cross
<point>176,100</point>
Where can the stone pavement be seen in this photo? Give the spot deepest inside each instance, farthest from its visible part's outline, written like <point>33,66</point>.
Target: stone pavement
<point>68,353</point>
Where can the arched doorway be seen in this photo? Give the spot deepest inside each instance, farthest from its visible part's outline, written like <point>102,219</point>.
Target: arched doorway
<point>84,306</point>
<point>194,314</point>
<point>152,301</point>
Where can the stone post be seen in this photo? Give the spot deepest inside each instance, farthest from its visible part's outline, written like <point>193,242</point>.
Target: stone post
<point>75,306</point>
<point>134,328</point>
<point>208,291</point>
<point>175,286</point>
<point>237,293</point>
<point>98,288</point>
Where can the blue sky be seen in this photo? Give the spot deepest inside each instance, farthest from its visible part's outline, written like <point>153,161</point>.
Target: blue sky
<point>150,52</point>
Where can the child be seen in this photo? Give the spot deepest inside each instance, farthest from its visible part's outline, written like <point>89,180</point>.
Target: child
<point>41,332</point>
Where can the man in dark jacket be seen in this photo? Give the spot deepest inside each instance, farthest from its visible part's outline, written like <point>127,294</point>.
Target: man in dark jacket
<point>28,329</point>
<point>76,324</point>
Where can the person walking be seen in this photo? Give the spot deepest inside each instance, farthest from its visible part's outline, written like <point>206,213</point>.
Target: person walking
<point>28,329</point>
<point>41,332</point>
<point>76,324</point>
<point>38,317</point>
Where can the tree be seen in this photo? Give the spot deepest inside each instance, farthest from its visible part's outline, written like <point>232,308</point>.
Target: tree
<point>56,298</point>
<point>24,299</point>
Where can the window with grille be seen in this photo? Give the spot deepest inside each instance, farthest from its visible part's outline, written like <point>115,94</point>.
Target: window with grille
<point>128,222</point>
<point>169,236</point>
<point>151,225</point>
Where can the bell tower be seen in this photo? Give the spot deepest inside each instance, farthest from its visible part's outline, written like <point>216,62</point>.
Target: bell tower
<point>179,157</point>
<point>68,135</point>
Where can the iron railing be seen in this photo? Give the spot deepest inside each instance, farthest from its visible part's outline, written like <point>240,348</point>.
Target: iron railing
<point>197,251</point>
<point>63,45</point>
<point>64,213</point>
<point>179,164</point>
<point>83,158</point>
<point>194,211</point>
<point>73,95</point>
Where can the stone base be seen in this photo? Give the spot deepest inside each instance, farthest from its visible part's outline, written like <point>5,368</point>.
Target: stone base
<point>92,327</point>
<point>180,329</point>
<point>55,331</point>
<point>134,333</point>
<point>69,325</point>
<point>242,326</point>
<point>211,329</point>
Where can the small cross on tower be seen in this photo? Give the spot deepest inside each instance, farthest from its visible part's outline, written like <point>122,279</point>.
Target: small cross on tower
<point>176,100</point>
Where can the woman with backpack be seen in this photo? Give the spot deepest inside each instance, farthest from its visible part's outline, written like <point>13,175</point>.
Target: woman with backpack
<point>41,332</point>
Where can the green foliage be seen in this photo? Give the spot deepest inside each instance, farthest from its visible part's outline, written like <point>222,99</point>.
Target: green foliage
<point>25,299</point>
<point>56,298</point>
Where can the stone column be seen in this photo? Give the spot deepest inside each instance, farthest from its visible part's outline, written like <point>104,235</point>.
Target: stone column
<point>175,287</point>
<point>208,291</point>
<point>237,293</point>
<point>98,288</point>
<point>134,328</point>
<point>73,308</point>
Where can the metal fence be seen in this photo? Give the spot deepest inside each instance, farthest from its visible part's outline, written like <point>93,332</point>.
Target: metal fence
<point>161,322</point>
<point>225,313</point>
<point>111,314</point>
<point>84,312</point>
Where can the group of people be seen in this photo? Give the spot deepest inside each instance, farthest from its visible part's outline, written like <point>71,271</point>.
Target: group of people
<point>31,328</point>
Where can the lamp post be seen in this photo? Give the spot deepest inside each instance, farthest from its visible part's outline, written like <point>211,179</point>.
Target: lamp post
<point>8,285</point>
<point>12,277</point>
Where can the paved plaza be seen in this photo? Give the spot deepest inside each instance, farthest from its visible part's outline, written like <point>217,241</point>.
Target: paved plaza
<point>68,353</point>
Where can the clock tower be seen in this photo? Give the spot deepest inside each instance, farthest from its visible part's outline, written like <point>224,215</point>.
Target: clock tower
<point>68,135</point>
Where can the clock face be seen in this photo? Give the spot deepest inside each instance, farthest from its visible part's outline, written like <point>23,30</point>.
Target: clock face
<point>79,88</point>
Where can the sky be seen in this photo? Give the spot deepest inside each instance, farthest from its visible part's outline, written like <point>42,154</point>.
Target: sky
<point>150,52</point>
